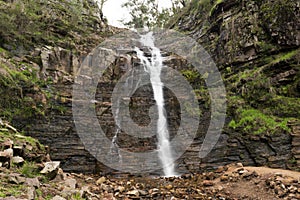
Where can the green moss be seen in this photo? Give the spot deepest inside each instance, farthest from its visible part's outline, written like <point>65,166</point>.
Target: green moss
<point>253,121</point>
<point>283,106</point>
<point>285,56</point>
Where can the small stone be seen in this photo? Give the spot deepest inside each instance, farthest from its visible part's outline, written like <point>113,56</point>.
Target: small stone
<point>272,184</point>
<point>208,183</point>
<point>71,183</point>
<point>28,147</point>
<point>16,179</point>
<point>278,174</point>
<point>225,177</point>
<point>8,152</point>
<point>105,187</point>
<point>89,180</point>
<point>143,192</point>
<point>239,165</point>
<point>220,169</point>
<point>100,180</point>
<point>8,144</point>
<point>169,187</point>
<point>135,193</point>
<point>32,182</point>
<point>31,194</point>
<point>120,189</point>
<point>17,160</point>
<point>57,197</point>
<point>51,169</point>
<point>292,189</point>
<point>246,174</point>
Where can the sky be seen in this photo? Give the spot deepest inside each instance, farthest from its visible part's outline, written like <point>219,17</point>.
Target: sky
<point>114,12</point>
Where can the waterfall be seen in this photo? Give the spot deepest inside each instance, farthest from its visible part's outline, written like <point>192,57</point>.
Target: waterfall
<point>154,67</point>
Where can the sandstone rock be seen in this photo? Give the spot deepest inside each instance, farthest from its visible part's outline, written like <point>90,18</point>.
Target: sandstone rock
<point>51,169</point>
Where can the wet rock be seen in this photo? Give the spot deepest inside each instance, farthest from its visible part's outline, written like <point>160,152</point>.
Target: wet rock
<point>51,169</point>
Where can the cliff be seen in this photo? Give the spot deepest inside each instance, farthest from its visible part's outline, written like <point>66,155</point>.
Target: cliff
<point>255,45</point>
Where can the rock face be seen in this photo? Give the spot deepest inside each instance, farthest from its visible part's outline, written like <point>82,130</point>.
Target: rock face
<point>254,45</point>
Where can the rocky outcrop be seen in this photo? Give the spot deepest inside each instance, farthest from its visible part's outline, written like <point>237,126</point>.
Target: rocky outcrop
<point>296,142</point>
<point>255,47</point>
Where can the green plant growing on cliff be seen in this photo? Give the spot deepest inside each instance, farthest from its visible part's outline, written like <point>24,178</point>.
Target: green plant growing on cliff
<point>191,75</point>
<point>252,121</point>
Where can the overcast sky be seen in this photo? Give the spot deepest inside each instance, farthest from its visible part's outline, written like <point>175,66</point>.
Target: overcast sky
<point>114,12</point>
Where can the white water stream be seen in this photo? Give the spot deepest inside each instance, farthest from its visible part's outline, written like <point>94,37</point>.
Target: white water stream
<point>154,67</point>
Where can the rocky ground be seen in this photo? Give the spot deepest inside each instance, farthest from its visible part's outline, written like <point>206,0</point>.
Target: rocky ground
<point>28,173</point>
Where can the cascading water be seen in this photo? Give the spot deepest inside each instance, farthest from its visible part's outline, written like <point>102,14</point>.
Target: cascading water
<point>154,68</point>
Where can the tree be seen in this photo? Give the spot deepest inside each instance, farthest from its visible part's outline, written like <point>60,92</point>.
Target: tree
<point>146,13</point>
<point>101,4</point>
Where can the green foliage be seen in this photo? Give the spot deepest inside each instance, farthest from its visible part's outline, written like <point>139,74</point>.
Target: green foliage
<point>285,56</point>
<point>25,24</point>
<point>277,13</point>
<point>76,196</point>
<point>252,121</point>
<point>146,13</point>
<point>191,75</point>
<point>12,190</point>
<point>29,170</point>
